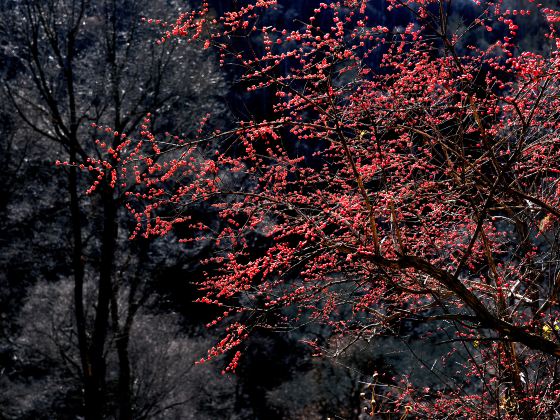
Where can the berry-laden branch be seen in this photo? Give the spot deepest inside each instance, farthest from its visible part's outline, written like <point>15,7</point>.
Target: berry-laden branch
<point>405,173</point>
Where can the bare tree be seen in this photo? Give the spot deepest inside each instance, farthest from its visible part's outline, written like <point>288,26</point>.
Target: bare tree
<point>79,63</point>
<point>167,383</point>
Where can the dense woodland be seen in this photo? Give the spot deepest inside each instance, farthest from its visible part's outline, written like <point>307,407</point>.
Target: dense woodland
<point>94,324</point>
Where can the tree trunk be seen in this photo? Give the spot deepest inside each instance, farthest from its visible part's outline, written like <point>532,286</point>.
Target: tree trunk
<point>108,248</point>
<point>125,393</point>
<point>92,399</point>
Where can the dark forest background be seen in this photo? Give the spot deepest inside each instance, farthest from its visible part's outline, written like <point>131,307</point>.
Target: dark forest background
<point>66,64</point>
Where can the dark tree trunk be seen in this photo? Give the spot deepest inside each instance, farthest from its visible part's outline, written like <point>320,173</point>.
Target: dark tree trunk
<point>91,395</point>
<point>125,393</point>
<point>101,323</point>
